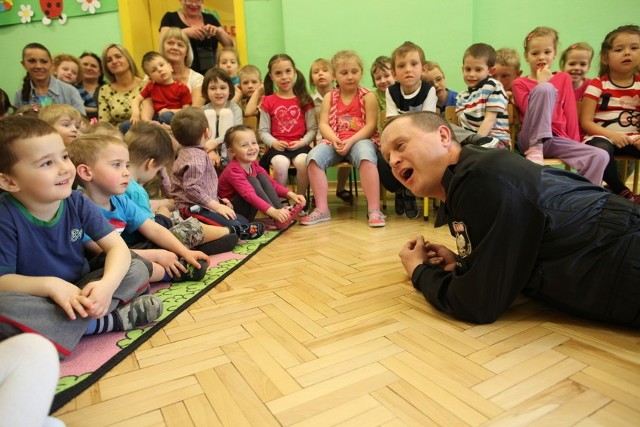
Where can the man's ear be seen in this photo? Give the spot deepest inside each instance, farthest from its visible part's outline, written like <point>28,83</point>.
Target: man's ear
<point>8,184</point>
<point>444,132</point>
<point>84,172</point>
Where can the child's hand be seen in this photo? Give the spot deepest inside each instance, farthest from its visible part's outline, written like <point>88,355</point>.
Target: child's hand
<point>280,145</point>
<point>226,201</point>
<point>169,261</point>
<point>298,198</point>
<point>225,211</point>
<point>282,215</point>
<point>192,257</point>
<point>621,140</point>
<point>135,118</point>
<point>215,158</point>
<point>343,147</point>
<point>544,74</point>
<point>99,294</point>
<point>294,145</point>
<point>68,297</point>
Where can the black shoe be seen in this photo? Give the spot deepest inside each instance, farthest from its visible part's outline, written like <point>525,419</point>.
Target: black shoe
<point>410,205</point>
<point>399,203</point>
<point>250,231</point>
<point>192,274</point>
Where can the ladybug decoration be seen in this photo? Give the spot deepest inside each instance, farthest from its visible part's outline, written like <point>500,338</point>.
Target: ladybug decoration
<point>52,9</point>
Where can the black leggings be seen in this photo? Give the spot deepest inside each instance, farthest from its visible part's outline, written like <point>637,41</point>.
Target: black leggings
<point>264,189</point>
<point>611,176</point>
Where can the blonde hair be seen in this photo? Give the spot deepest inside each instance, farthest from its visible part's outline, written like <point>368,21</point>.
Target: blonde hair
<point>105,69</point>
<point>541,32</point>
<point>249,69</point>
<point>321,61</point>
<point>62,57</point>
<point>54,112</point>
<point>103,128</point>
<point>508,57</point>
<point>576,46</point>
<point>176,33</point>
<point>345,55</point>
<point>227,49</point>
<point>86,149</point>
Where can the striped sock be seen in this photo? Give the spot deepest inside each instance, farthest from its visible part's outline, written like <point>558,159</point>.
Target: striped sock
<point>534,153</point>
<point>104,324</point>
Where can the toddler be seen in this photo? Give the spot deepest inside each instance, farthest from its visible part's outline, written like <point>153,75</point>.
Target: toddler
<point>167,95</point>
<point>67,68</point>
<point>249,187</point>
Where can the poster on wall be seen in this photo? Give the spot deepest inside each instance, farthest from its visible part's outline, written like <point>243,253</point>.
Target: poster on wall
<point>46,12</point>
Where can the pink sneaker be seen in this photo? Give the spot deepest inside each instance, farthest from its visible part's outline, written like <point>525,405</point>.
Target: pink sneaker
<point>630,195</point>
<point>294,212</point>
<point>376,218</point>
<point>315,217</point>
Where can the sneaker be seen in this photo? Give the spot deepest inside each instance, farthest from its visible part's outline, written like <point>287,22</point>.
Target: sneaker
<point>630,195</point>
<point>250,231</point>
<point>376,218</point>
<point>192,274</point>
<point>315,217</point>
<point>399,203</point>
<point>140,311</point>
<point>410,205</point>
<point>294,211</point>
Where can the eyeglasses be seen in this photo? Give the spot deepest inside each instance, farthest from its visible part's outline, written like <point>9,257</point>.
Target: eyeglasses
<point>192,1</point>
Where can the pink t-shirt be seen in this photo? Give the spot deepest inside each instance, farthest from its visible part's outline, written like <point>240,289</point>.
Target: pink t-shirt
<point>287,117</point>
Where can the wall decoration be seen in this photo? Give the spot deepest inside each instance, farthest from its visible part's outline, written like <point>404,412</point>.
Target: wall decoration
<point>51,11</point>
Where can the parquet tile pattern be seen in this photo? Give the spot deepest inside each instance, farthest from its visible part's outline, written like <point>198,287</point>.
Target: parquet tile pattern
<point>323,328</point>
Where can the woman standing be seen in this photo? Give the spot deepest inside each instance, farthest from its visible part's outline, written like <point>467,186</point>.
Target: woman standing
<point>203,29</point>
<point>39,87</point>
<point>92,79</point>
<point>114,99</point>
<point>175,46</point>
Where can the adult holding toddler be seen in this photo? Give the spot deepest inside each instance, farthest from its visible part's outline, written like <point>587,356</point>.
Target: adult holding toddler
<point>203,29</point>
<point>176,48</point>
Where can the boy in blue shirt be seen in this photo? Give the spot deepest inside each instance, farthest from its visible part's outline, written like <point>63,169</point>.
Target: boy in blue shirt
<point>46,284</point>
<point>102,167</point>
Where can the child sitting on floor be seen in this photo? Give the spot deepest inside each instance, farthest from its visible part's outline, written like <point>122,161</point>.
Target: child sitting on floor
<point>101,165</point>
<point>46,284</point>
<point>194,184</point>
<point>150,151</point>
<point>249,186</point>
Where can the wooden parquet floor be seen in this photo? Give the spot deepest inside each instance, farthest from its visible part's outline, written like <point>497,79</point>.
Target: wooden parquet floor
<point>323,328</point>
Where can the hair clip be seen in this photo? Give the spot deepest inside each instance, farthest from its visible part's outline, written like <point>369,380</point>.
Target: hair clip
<point>93,121</point>
<point>574,46</point>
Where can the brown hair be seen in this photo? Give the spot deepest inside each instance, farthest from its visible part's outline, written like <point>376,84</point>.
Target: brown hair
<point>299,87</point>
<point>428,121</point>
<point>149,141</point>
<point>230,133</point>
<point>541,32</point>
<point>12,130</point>
<point>576,46</point>
<point>405,48</point>
<point>132,64</point>
<point>381,63</point>
<point>607,45</point>
<point>188,126</point>
<point>214,74</point>
<point>481,51</point>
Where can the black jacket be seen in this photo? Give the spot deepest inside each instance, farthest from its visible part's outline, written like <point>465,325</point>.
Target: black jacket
<point>545,232</point>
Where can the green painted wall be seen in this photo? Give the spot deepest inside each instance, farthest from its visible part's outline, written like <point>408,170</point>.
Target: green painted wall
<point>308,29</point>
<point>77,35</point>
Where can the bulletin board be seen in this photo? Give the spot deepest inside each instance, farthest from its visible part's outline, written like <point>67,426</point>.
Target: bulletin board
<point>48,12</point>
